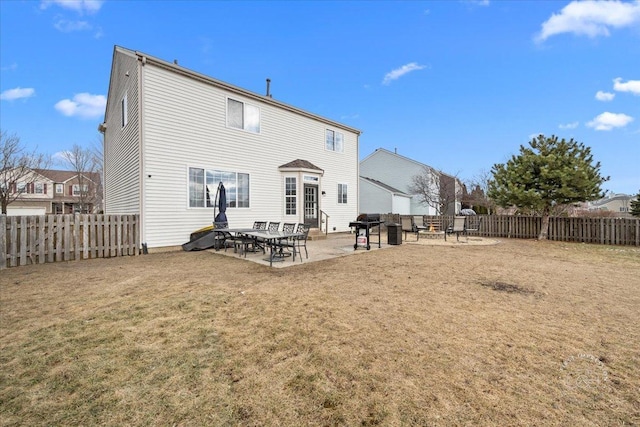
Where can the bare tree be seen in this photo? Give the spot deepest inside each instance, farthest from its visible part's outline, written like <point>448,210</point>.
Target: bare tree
<point>16,168</point>
<point>86,164</point>
<point>477,195</point>
<point>437,189</point>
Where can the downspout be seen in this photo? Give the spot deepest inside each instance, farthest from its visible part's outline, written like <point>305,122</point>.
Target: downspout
<point>143,222</point>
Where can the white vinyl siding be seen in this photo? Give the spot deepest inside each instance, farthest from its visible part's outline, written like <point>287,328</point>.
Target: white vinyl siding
<point>122,161</point>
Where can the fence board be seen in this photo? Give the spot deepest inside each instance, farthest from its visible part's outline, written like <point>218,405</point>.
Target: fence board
<point>53,238</point>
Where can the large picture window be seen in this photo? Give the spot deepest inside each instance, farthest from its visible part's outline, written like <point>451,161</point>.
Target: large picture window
<point>342,193</point>
<point>244,116</point>
<point>203,184</point>
<point>290,196</point>
<point>334,141</point>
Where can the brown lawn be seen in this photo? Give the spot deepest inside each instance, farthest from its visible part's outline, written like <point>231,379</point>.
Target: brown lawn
<point>519,333</point>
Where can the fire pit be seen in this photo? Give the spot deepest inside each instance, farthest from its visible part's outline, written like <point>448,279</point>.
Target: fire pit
<point>363,225</point>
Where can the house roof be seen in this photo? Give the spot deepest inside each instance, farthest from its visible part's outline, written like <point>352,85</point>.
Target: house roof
<point>62,176</point>
<point>391,153</point>
<point>145,59</point>
<point>385,186</point>
<point>300,164</point>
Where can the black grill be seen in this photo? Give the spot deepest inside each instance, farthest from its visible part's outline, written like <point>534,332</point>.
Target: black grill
<point>363,225</point>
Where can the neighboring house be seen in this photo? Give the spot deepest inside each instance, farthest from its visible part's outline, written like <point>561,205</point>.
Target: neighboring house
<point>619,204</point>
<point>172,134</point>
<point>377,197</point>
<point>47,191</point>
<point>396,173</point>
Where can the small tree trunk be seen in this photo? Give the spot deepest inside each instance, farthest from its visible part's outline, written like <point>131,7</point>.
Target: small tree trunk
<point>544,229</point>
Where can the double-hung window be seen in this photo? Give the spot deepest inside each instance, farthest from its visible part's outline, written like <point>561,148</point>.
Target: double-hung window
<point>290,195</point>
<point>241,115</point>
<point>342,193</point>
<point>203,184</point>
<point>334,141</point>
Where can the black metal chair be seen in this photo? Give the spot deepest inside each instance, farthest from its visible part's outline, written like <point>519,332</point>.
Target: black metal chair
<point>302,240</point>
<point>289,243</point>
<point>260,225</point>
<point>273,227</point>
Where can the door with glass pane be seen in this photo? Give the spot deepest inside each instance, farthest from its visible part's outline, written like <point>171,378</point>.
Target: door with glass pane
<point>311,205</point>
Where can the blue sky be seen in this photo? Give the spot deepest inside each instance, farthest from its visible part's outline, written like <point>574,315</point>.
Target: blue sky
<point>458,85</point>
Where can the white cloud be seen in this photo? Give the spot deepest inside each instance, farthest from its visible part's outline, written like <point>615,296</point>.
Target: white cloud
<point>67,26</point>
<point>608,121</point>
<point>17,93</point>
<point>83,105</point>
<point>11,67</point>
<point>80,6</point>
<point>632,86</point>
<point>399,72</point>
<point>571,125</point>
<point>591,18</point>
<point>605,96</point>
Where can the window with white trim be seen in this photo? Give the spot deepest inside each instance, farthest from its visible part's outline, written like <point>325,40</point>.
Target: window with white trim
<point>21,187</point>
<point>334,141</point>
<point>125,114</point>
<point>76,189</point>
<point>59,188</point>
<point>342,193</point>
<point>241,115</point>
<point>38,188</point>
<point>203,184</point>
<point>290,195</point>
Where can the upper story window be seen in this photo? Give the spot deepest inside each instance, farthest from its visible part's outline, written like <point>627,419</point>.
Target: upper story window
<point>59,188</point>
<point>241,115</point>
<point>76,190</point>
<point>334,141</point>
<point>39,188</point>
<point>21,187</point>
<point>124,107</point>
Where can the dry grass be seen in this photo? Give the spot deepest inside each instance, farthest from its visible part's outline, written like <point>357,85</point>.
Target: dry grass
<point>521,333</point>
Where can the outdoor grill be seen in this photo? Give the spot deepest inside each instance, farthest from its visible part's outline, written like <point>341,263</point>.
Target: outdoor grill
<point>363,225</point>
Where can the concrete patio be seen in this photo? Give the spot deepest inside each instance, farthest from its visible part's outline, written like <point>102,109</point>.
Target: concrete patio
<point>341,244</point>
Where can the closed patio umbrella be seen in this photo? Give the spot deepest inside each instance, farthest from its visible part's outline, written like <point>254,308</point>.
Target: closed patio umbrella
<point>221,203</point>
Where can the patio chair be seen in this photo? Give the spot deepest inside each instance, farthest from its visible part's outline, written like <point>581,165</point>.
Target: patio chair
<point>238,242</point>
<point>473,223</point>
<point>459,227</point>
<point>302,240</point>
<point>273,227</point>
<point>260,225</point>
<point>408,227</point>
<point>290,242</point>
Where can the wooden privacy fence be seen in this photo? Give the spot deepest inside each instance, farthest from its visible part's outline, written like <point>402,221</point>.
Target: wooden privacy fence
<point>52,238</point>
<point>605,231</point>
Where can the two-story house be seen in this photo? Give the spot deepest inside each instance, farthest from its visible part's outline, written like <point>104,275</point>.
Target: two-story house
<point>47,191</point>
<point>386,179</point>
<point>171,135</point>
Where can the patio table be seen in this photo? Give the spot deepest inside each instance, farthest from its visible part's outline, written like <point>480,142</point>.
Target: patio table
<point>272,240</point>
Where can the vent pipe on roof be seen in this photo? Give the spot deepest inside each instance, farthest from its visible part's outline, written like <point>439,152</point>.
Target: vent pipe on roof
<point>269,88</point>
<point>175,61</point>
